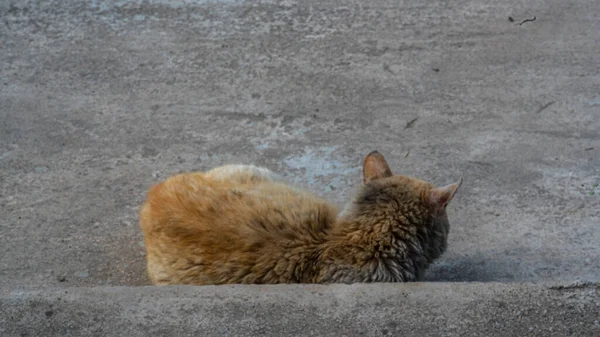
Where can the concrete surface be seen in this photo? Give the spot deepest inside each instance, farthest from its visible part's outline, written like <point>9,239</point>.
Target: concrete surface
<point>101,99</point>
<point>458,309</point>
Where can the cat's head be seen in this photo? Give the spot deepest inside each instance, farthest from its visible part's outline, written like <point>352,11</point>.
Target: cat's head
<point>412,205</point>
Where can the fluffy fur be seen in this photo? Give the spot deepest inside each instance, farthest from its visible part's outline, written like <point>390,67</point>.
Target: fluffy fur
<point>240,224</point>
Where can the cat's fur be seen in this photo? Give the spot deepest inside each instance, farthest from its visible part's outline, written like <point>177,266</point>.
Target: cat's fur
<point>239,224</point>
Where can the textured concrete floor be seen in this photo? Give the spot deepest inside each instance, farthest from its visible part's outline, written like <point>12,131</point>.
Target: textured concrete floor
<point>101,99</point>
<point>458,309</point>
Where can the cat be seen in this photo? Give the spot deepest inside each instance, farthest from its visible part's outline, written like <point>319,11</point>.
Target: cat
<point>242,224</point>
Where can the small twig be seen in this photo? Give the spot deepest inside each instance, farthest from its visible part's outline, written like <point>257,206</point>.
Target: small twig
<point>411,123</point>
<point>526,20</point>
<point>589,148</point>
<point>545,106</point>
<point>407,153</point>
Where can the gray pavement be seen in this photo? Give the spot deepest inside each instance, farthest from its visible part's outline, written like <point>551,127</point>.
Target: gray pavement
<point>101,99</point>
<point>433,309</point>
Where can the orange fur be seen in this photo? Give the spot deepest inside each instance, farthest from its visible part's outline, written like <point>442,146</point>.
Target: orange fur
<point>238,224</point>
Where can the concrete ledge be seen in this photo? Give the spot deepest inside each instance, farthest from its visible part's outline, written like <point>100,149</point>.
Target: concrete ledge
<point>418,309</point>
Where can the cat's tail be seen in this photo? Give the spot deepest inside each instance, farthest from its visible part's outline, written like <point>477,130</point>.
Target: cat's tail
<point>241,173</point>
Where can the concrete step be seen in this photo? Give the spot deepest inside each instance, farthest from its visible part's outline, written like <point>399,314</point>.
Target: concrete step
<point>411,309</point>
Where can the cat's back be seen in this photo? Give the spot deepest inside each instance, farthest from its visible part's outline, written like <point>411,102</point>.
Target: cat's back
<point>205,201</point>
<point>203,219</point>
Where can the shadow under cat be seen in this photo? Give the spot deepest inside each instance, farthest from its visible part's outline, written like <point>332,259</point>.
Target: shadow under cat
<point>495,266</point>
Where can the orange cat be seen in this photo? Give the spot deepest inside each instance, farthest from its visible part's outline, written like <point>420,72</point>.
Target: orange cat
<point>239,224</point>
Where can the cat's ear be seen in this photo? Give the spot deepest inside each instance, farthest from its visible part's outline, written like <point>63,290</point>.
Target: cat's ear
<point>440,197</point>
<point>375,167</point>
